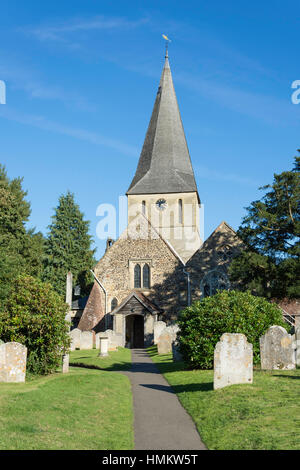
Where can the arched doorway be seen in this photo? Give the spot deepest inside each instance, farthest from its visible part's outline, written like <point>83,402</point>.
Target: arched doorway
<point>134,331</point>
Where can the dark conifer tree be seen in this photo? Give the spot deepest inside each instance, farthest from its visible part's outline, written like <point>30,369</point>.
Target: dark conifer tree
<point>68,247</point>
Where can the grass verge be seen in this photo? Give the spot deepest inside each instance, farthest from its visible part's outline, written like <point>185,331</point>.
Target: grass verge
<point>265,415</point>
<point>84,409</point>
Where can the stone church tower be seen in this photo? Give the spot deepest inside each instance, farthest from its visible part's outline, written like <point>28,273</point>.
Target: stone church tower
<point>158,265</point>
<point>164,187</point>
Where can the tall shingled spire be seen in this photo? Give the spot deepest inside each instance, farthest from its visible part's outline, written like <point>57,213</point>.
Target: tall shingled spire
<point>164,165</point>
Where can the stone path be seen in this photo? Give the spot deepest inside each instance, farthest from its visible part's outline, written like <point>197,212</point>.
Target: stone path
<point>160,421</point>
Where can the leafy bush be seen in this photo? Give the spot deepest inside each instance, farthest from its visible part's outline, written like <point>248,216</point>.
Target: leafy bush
<point>203,323</point>
<point>34,315</point>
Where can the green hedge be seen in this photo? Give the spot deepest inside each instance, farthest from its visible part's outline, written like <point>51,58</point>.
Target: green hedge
<point>203,323</point>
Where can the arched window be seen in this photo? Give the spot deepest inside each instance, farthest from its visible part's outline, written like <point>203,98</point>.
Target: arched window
<point>213,281</point>
<point>180,211</point>
<point>146,276</point>
<point>137,276</point>
<point>144,207</point>
<point>114,304</point>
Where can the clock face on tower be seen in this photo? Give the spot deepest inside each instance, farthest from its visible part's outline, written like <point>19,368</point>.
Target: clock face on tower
<point>161,204</point>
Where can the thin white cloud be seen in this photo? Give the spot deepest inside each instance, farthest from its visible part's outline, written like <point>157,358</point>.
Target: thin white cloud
<point>20,78</point>
<point>59,31</point>
<point>43,123</point>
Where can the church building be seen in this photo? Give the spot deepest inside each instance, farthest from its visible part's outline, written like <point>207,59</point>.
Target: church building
<point>159,264</point>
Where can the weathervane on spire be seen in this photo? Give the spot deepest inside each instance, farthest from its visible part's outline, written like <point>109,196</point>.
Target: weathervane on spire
<point>167,43</point>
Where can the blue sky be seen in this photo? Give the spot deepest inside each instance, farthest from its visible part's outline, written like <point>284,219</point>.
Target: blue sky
<point>81,80</point>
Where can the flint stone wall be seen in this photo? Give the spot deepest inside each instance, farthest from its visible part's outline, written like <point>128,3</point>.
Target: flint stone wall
<point>233,361</point>
<point>277,350</point>
<point>13,358</point>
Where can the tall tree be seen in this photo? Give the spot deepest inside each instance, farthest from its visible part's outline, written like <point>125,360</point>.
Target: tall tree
<point>21,250</point>
<point>68,247</point>
<point>270,266</point>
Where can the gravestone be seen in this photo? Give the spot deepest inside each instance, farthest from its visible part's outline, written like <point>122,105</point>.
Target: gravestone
<point>177,356</point>
<point>13,358</point>
<point>164,343</point>
<point>86,340</point>
<point>114,339</point>
<point>104,340</point>
<point>158,328</point>
<point>75,339</point>
<point>277,349</point>
<point>172,330</point>
<point>65,365</point>
<point>297,340</point>
<point>233,361</point>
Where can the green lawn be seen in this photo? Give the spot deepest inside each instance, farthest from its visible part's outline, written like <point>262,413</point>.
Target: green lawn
<point>84,409</point>
<point>117,360</point>
<point>265,415</point>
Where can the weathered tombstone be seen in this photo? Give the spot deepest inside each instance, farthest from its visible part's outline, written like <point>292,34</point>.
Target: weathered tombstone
<point>172,330</point>
<point>65,365</point>
<point>164,344</point>
<point>97,340</point>
<point>177,356</point>
<point>233,361</point>
<point>277,349</point>
<point>158,328</point>
<point>12,362</point>
<point>75,339</point>
<point>114,339</point>
<point>86,340</point>
<point>103,346</point>
<point>297,341</point>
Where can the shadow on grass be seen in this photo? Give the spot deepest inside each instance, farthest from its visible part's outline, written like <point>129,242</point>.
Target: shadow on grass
<point>287,376</point>
<point>116,367</point>
<point>197,387</point>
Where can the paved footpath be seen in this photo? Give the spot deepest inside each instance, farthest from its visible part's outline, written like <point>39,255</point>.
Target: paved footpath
<point>160,421</point>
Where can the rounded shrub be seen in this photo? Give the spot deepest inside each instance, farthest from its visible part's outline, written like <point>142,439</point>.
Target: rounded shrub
<point>34,315</point>
<point>203,323</point>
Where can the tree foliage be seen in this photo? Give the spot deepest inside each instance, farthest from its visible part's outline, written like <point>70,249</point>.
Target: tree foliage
<point>203,323</point>
<point>34,315</point>
<point>270,265</point>
<point>68,247</point>
<point>21,250</point>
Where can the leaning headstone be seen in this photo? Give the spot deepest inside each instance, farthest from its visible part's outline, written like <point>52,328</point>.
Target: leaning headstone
<point>75,336</point>
<point>104,346</point>
<point>297,341</point>
<point>233,361</point>
<point>12,362</point>
<point>86,340</point>
<point>65,366</point>
<point>158,328</point>
<point>177,356</point>
<point>277,349</point>
<point>164,344</point>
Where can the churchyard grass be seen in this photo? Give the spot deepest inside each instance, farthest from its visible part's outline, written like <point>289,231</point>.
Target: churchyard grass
<point>264,415</point>
<point>116,360</point>
<point>83,409</point>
